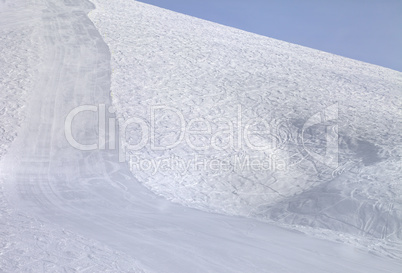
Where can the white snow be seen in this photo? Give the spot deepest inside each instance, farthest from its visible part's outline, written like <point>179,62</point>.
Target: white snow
<point>206,71</point>
<point>28,244</point>
<point>64,209</point>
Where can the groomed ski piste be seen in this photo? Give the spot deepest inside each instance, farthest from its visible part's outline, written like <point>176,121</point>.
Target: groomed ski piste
<point>137,139</point>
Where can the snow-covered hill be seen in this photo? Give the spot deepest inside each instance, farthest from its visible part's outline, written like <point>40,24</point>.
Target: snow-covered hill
<point>270,134</point>
<point>212,74</point>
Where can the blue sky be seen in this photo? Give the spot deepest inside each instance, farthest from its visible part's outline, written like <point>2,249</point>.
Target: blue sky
<point>366,30</point>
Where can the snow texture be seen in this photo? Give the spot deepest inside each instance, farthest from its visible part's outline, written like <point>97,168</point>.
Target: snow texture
<point>65,209</point>
<point>206,70</point>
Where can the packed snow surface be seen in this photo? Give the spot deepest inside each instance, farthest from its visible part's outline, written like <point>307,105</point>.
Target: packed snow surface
<point>224,135</point>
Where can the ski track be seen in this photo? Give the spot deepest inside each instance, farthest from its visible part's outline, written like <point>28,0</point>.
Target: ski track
<point>71,210</point>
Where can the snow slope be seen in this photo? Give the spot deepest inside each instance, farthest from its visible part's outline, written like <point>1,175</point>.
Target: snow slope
<point>27,59</point>
<point>75,210</point>
<point>205,70</point>
<point>17,63</point>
